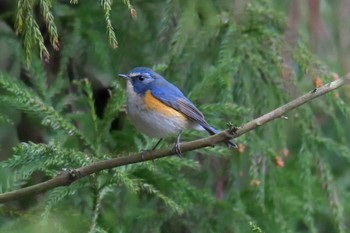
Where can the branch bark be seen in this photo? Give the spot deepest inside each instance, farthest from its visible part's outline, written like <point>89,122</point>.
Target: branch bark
<point>67,177</point>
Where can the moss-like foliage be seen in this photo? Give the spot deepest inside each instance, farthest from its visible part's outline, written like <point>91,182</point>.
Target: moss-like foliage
<point>287,176</point>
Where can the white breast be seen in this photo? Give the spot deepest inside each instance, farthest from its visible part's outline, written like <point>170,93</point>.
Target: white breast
<point>150,122</point>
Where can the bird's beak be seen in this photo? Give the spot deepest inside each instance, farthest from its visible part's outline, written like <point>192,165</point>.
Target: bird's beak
<point>124,76</point>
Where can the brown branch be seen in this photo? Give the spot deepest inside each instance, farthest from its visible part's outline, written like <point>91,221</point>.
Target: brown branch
<point>66,178</point>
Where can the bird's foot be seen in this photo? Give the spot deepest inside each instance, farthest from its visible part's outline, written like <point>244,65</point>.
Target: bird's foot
<point>177,145</point>
<point>143,152</point>
<point>178,149</point>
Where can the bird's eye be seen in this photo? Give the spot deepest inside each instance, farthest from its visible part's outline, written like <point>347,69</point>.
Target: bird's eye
<point>141,78</point>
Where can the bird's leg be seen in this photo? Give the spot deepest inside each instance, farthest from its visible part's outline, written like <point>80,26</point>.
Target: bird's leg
<point>143,154</point>
<point>177,144</point>
<point>156,145</point>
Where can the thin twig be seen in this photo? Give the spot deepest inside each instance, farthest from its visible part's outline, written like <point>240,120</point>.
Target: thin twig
<point>66,178</point>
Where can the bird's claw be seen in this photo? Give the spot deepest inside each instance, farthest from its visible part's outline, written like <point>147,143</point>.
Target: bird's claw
<point>143,152</point>
<point>178,149</point>
<point>177,145</point>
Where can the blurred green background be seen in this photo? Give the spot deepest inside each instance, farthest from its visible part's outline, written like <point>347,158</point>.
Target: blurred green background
<point>61,107</point>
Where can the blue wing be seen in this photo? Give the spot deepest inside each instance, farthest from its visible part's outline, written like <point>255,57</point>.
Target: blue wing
<point>173,97</point>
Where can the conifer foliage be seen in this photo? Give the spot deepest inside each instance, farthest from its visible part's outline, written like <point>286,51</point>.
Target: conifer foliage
<point>290,175</point>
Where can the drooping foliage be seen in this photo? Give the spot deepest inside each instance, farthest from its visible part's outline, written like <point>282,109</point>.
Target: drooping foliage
<point>290,175</point>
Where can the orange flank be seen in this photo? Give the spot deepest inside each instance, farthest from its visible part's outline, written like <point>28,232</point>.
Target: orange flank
<point>157,105</point>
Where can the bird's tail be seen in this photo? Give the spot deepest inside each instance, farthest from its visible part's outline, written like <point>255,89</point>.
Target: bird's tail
<point>212,131</point>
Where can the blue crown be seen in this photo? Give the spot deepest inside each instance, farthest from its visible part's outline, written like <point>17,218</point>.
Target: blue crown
<point>142,70</point>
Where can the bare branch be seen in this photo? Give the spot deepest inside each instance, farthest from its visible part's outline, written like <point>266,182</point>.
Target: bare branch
<point>66,178</point>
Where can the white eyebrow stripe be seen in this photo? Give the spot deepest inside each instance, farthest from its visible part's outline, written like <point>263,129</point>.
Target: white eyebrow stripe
<point>148,75</point>
<point>134,74</point>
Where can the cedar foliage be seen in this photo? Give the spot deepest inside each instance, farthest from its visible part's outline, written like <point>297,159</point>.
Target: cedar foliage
<point>288,176</point>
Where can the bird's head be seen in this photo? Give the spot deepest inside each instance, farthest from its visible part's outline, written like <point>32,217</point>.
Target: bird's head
<point>142,79</point>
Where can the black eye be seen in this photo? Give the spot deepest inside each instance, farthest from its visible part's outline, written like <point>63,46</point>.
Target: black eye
<point>141,78</point>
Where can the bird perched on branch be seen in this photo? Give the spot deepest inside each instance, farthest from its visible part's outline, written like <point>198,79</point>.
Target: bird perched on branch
<point>159,109</point>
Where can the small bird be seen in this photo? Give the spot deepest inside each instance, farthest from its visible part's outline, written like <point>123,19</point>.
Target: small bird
<point>159,109</point>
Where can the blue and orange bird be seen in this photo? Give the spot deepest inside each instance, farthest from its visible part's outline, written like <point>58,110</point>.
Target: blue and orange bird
<point>159,109</point>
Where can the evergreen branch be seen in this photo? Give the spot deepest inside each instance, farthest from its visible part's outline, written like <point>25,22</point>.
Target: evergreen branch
<point>327,183</point>
<point>67,177</point>
<point>45,6</point>
<point>254,227</point>
<point>107,7</point>
<point>95,144</point>
<point>25,99</point>
<point>132,10</point>
<point>96,209</point>
<point>26,25</point>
